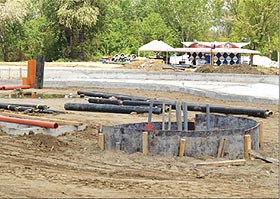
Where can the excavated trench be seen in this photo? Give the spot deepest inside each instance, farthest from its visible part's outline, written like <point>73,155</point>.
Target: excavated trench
<point>200,139</point>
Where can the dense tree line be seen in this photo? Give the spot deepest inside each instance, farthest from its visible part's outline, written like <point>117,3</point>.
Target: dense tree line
<point>87,29</point>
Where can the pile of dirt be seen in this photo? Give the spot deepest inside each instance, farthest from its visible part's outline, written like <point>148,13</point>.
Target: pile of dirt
<point>205,69</point>
<point>147,65</point>
<point>235,69</point>
<point>46,141</point>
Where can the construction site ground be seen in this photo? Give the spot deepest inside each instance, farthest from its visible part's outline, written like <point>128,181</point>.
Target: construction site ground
<point>72,165</point>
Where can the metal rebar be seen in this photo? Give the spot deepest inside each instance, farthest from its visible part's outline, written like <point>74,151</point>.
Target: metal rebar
<point>207,117</point>
<point>178,116</point>
<point>185,111</point>
<point>150,112</point>
<point>163,116</point>
<point>169,117</point>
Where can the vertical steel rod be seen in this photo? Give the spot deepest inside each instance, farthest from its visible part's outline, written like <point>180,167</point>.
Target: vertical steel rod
<point>178,116</point>
<point>150,112</point>
<point>207,117</point>
<point>163,116</point>
<point>185,110</point>
<point>169,117</point>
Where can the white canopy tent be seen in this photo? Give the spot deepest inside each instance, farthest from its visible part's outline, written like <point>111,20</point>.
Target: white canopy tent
<point>156,46</point>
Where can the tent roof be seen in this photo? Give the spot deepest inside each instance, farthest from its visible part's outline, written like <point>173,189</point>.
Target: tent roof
<point>216,50</point>
<point>239,45</point>
<point>156,46</point>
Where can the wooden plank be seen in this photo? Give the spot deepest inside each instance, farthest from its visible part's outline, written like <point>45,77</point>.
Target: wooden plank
<point>247,146</point>
<point>182,147</point>
<point>222,163</point>
<point>145,143</point>
<point>221,148</point>
<point>101,141</point>
<point>260,156</point>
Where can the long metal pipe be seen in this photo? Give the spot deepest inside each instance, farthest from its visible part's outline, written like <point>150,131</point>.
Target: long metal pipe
<point>9,106</point>
<point>29,122</point>
<point>122,102</point>
<point>109,108</point>
<point>109,95</point>
<point>202,108</point>
<point>104,101</point>
<point>263,113</point>
<point>36,106</point>
<point>14,87</point>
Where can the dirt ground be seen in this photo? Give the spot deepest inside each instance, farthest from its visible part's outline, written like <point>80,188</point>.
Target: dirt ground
<point>72,165</point>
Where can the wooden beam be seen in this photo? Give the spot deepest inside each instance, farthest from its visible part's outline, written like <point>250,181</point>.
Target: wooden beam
<point>101,141</point>
<point>259,156</point>
<point>182,147</point>
<point>221,148</point>
<point>247,146</point>
<point>145,136</point>
<point>222,163</point>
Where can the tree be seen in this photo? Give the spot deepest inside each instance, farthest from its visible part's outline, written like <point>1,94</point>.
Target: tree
<point>75,18</point>
<point>254,21</point>
<point>11,12</point>
<point>189,19</point>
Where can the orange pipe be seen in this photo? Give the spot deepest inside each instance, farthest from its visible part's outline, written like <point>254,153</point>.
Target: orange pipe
<point>29,122</point>
<point>14,87</point>
<point>25,81</point>
<point>31,72</point>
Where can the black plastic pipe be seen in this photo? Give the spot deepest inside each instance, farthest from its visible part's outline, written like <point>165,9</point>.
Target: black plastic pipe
<point>104,101</point>
<point>122,102</point>
<point>38,106</point>
<point>17,108</point>
<point>231,110</point>
<point>49,111</point>
<point>262,113</point>
<point>108,95</point>
<point>109,108</point>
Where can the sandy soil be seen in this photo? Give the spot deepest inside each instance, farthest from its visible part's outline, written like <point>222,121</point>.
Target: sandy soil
<point>72,165</point>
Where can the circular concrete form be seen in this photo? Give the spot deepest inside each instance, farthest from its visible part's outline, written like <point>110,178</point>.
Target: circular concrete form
<point>198,140</point>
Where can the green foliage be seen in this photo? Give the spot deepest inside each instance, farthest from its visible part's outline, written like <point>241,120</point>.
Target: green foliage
<point>76,14</point>
<point>254,21</point>
<point>88,29</point>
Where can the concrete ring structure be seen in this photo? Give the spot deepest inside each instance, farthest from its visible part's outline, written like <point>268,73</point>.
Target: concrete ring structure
<point>198,140</point>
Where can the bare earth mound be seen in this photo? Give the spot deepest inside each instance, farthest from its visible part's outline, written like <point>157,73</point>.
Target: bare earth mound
<point>148,65</point>
<point>157,65</point>
<point>235,69</point>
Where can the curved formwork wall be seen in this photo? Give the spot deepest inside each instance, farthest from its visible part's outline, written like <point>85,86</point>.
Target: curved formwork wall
<point>199,140</point>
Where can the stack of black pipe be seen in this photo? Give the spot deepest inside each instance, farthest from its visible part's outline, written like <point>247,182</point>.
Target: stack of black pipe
<point>39,108</point>
<point>113,103</point>
<point>118,103</point>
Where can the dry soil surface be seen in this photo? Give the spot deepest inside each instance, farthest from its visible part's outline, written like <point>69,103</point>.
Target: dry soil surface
<point>72,165</point>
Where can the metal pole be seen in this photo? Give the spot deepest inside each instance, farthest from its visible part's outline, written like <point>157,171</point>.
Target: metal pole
<point>185,111</point>
<point>169,117</point>
<point>163,116</point>
<point>178,116</point>
<point>207,117</point>
<point>150,112</point>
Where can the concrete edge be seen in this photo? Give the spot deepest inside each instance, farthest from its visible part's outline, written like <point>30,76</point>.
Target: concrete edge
<point>160,87</point>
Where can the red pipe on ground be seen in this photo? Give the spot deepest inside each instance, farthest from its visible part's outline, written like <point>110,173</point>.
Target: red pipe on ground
<point>29,122</point>
<point>14,87</point>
